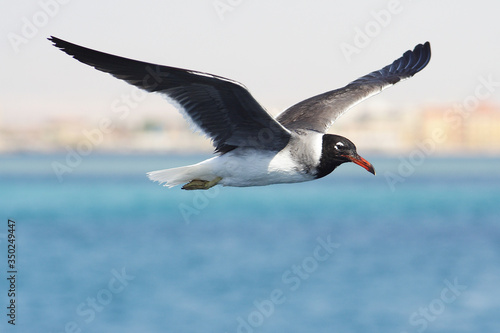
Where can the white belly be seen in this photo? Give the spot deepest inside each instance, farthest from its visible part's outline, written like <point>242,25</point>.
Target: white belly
<point>250,167</point>
<point>242,167</point>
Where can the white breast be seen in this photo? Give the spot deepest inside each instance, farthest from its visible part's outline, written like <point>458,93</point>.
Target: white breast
<point>253,167</point>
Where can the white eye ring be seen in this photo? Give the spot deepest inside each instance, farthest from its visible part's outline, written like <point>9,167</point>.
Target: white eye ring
<point>338,144</point>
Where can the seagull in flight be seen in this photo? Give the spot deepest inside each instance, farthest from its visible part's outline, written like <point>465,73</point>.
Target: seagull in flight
<point>252,147</point>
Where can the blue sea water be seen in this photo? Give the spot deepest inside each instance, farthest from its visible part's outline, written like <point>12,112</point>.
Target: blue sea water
<point>103,249</point>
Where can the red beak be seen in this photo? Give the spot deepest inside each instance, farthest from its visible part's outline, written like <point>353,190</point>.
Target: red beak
<point>361,162</point>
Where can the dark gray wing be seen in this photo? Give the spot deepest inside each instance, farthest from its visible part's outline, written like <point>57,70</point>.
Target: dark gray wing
<point>223,109</point>
<point>318,113</point>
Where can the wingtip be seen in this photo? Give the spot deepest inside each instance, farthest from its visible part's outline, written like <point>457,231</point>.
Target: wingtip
<point>426,53</point>
<point>422,56</point>
<point>427,47</point>
<point>57,42</point>
<point>53,39</point>
<point>424,47</point>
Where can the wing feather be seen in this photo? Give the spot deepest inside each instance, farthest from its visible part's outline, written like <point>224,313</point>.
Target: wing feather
<point>223,109</point>
<point>318,113</point>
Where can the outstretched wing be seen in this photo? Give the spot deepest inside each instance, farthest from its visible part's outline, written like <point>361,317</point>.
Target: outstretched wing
<point>318,113</point>
<point>223,109</point>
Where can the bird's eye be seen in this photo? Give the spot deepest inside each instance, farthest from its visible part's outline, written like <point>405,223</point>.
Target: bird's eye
<point>339,146</point>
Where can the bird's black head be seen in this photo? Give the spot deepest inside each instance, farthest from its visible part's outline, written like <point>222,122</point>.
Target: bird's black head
<point>337,150</point>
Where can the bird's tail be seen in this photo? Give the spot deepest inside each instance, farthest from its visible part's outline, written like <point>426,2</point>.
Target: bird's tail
<point>176,176</point>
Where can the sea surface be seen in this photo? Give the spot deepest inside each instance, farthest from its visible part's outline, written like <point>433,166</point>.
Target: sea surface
<point>100,248</point>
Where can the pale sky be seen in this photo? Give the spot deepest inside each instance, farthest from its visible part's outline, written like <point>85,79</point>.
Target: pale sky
<point>283,51</point>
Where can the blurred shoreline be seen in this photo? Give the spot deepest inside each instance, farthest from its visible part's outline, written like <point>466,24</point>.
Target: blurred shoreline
<point>443,130</point>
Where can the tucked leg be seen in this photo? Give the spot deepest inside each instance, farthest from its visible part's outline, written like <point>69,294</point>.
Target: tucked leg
<point>198,184</point>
